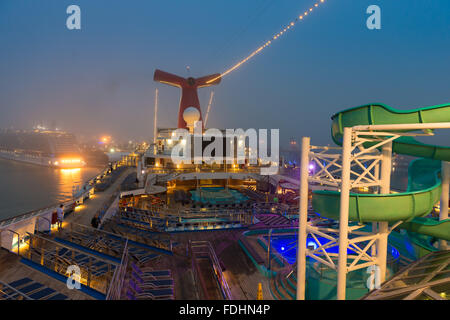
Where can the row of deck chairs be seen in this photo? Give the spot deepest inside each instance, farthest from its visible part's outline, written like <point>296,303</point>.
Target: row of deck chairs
<point>25,287</point>
<point>108,179</point>
<point>125,227</point>
<point>141,226</point>
<point>241,205</point>
<point>129,183</point>
<point>106,243</point>
<point>64,256</point>
<point>254,194</point>
<point>199,225</point>
<point>149,284</point>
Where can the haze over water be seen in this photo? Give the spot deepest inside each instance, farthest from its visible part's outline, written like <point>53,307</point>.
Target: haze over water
<point>26,187</point>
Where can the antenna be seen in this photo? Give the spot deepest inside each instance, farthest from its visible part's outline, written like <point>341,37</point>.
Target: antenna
<point>209,107</point>
<point>155,116</point>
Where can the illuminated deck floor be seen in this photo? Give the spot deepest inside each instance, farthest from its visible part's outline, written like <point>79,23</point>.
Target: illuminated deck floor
<point>88,210</point>
<point>12,269</point>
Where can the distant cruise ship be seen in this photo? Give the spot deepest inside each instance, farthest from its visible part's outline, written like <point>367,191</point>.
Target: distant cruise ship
<point>52,148</point>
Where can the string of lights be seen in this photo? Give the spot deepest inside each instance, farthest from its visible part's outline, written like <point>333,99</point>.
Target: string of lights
<point>301,17</point>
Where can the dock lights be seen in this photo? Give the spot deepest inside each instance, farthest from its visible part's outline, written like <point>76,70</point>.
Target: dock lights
<point>69,161</point>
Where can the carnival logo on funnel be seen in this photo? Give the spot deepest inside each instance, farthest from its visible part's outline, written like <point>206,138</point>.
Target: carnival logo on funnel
<point>232,146</point>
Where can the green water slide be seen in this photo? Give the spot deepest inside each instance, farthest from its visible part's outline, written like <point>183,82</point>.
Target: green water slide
<point>424,185</point>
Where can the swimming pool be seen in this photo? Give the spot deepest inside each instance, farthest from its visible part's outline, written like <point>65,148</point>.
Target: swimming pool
<point>286,245</point>
<point>217,195</point>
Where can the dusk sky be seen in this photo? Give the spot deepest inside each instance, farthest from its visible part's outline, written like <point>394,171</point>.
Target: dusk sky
<point>99,80</point>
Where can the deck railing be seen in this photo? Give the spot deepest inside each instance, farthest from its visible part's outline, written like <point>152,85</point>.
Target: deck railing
<point>95,239</point>
<point>47,253</point>
<point>118,279</point>
<point>200,248</point>
<point>5,293</point>
<point>171,217</point>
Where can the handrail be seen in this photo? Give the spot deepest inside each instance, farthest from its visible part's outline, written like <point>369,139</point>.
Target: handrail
<point>160,223</point>
<point>225,289</point>
<point>49,222</point>
<point>187,213</point>
<point>13,289</point>
<point>18,240</point>
<point>116,284</point>
<point>59,244</point>
<point>47,255</point>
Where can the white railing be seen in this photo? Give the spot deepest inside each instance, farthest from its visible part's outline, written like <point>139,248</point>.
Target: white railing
<point>116,284</point>
<point>205,247</point>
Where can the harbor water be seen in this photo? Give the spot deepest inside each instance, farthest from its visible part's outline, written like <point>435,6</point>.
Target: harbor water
<point>26,187</point>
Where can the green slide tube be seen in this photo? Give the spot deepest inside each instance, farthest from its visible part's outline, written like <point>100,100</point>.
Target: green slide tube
<point>424,185</point>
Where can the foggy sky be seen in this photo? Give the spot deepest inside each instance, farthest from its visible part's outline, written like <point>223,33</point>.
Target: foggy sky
<point>99,80</point>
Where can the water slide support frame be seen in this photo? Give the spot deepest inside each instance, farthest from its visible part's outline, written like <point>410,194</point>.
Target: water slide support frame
<point>303,219</point>
<point>383,227</point>
<point>343,214</point>
<point>353,137</point>
<point>443,214</point>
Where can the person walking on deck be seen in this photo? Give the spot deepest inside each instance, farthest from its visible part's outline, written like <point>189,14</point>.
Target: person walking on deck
<point>95,221</point>
<point>60,216</point>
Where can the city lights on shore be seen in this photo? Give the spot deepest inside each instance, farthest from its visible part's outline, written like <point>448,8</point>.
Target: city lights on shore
<point>269,42</point>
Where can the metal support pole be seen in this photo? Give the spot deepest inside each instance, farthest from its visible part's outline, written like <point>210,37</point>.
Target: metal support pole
<point>155,121</point>
<point>268,251</point>
<point>375,224</point>
<point>302,220</point>
<point>343,214</point>
<point>386,168</point>
<point>443,214</point>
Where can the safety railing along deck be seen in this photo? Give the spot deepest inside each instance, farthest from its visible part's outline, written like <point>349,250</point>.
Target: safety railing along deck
<point>117,281</point>
<point>200,249</point>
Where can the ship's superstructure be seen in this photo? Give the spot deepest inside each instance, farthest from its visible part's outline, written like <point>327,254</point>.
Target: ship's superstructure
<point>42,147</point>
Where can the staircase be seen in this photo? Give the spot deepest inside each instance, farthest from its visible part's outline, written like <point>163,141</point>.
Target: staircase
<point>284,286</point>
<point>271,221</point>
